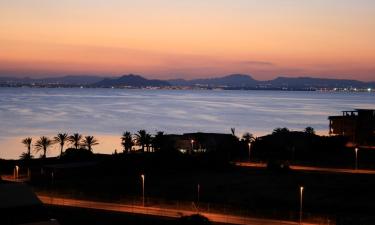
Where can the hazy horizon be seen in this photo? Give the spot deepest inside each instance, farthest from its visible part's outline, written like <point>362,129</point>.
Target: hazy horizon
<point>173,78</point>
<point>188,39</point>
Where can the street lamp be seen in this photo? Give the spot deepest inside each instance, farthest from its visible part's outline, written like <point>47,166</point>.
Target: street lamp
<point>198,193</point>
<point>16,174</point>
<point>143,190</point>
<point>192,145</point>
<point>356,158</point>
<point>300,204</point>
<point>249,144</point>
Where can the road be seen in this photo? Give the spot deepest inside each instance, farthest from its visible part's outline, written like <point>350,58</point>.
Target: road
<point>11,178</point>
<point>309,168</point>
<point>157,211</point>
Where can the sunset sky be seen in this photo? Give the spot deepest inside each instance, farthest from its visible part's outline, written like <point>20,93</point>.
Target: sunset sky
<point>188,38</point>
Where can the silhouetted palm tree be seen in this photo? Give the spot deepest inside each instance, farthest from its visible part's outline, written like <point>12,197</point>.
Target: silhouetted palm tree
<point>25,156</point>
<point>75,140</point>
<point>141,138</point>
<point>309,130</point>
<point>61,138</point>
<point>90,141</point>
<point>248,137</point>
<point>158,140</point>
<point>43,144</point>
<point>127,141</point>
<point>27,142</point>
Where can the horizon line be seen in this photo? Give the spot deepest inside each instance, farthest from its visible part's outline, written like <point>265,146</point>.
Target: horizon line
<point>174,78</point>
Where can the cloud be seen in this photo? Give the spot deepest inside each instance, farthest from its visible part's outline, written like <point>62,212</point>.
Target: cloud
<point>257,63</point>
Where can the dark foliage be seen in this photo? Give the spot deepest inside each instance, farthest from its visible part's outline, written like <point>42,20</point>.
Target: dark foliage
<point>195,219</point>
<point>294,146</point>
<point>77,154</point>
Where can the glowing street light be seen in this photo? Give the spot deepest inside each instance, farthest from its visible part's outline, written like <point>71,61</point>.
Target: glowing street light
<point>143,190</point>
<point>356,158</point>
<point>192,145</point>
<point>16,171</point>
<point>300,204</point>
<point>249,144</point>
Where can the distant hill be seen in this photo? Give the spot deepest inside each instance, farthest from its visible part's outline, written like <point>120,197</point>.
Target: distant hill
<point>246,81</point>
<point>132,81</point>
<point>306,82</point>
<point>233,80</point>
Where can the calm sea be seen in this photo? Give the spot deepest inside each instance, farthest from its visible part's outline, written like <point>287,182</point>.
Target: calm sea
<point>106,113</point>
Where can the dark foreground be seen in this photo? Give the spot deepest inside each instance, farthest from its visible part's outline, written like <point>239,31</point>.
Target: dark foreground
<point>172,182</point>
<point>81,216</point>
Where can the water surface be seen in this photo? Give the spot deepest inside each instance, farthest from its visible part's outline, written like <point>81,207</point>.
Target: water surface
<point>106,113</point>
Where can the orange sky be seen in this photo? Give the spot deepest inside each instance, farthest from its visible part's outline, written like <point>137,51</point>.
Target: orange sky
<point>188,38</point>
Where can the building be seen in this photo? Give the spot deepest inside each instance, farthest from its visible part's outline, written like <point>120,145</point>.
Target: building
<point>358,125</point>
<point>192,143</point>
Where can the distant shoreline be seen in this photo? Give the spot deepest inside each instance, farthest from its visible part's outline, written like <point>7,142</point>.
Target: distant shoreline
<point>177,88</point>
<point>228,82</point>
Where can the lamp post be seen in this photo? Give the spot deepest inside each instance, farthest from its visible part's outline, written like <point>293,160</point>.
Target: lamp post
<point>300,205</point>
<point>17,169</point>
<point>198,193</point>
<point>356,158</point>
<point>192,145</point>
<point>143,190</point>
<point>249,145</point>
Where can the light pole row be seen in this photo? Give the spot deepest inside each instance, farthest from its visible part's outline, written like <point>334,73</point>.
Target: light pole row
<point>198,198</point>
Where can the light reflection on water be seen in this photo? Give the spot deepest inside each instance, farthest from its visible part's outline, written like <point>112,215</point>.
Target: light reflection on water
<point>106,113</point>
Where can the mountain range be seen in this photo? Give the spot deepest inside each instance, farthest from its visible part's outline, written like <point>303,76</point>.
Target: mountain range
<point>233,81</point>
<point>131,80</point>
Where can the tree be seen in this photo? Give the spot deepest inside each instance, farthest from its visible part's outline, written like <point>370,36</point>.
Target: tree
<point>25,156</point>
<point>61,138</point>
<point>42,145</point>
<point>248,137</point>
<point>148,142</point>
<point>280,130</point>
<point>233,131</point>
<point>127,141</point>
<point>90,141</point>
<point>27,142</point>
<point>142,138</point>
<point>158,140</point>
<point>75,140</point>
<point>309,130</point>
<point>195,219</point>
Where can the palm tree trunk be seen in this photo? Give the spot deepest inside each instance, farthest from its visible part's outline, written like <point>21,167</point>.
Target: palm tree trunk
<point>61,150</point>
